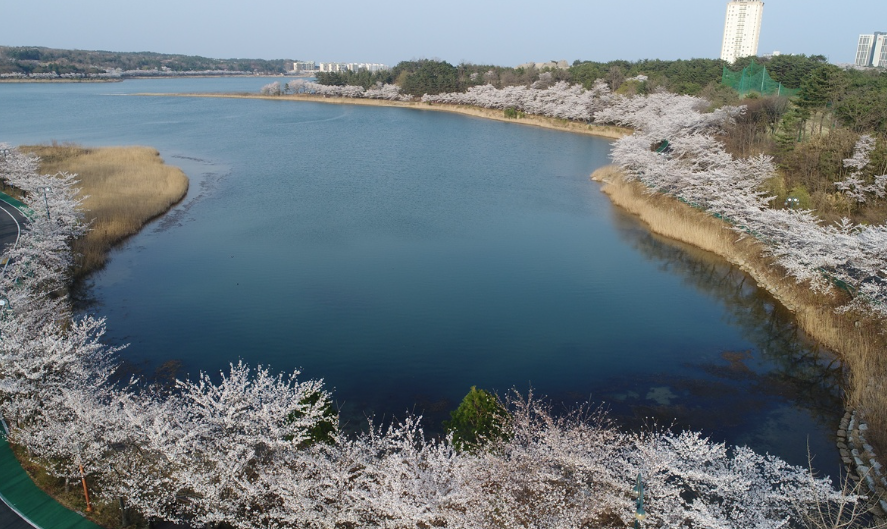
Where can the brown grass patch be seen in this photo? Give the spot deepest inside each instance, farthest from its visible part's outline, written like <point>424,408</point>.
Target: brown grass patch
<point>859,341</point>
<point>125,188</point>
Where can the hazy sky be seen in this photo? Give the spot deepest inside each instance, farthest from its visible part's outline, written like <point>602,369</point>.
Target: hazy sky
<point>478,31</point>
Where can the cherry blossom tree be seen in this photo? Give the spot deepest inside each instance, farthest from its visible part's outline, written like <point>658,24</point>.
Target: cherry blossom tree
<point>693,482</point>
<point>301,86</point>
<point>272,89</point>
<point>390,92</point>
<point>674,151</point>
<point>560,100</point>
<point>53,370</point>
<point>213,441</point>
<point>855,185</point>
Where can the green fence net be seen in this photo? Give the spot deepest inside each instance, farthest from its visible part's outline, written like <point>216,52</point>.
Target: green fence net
<point>754,78</point>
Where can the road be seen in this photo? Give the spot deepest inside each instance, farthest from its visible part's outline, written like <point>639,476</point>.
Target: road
<point>10,520</point>
<point>11,221</point>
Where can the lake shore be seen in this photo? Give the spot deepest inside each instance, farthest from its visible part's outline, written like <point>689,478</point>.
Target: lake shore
<point>857,340</point>
<point>61,80</point>
<point>852,338</point>
<point>507,120</point>
<point>121,79</point>
<point>600,131</point>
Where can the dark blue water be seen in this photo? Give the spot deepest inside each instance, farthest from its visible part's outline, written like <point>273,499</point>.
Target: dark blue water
<point>404,256</point>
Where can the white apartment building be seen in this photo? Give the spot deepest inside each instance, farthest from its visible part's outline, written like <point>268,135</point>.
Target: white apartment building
<point>872,50</point>
<point>332,67</point>
<point>742,29</point>
<point>307,66</point>
<point>351,66</point>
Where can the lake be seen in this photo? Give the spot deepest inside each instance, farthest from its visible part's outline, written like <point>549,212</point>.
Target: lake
<point>404,256</point>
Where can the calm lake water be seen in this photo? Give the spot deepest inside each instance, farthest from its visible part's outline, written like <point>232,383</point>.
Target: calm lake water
<point>404,256</point>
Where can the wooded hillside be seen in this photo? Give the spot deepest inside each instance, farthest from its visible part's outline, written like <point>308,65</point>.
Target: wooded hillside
<point>37,61</point>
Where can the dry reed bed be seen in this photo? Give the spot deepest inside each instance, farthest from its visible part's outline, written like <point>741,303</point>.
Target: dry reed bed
<point>859,341</point>
<point>126,187</point>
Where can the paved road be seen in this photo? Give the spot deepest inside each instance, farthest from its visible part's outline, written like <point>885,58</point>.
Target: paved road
<point>10,520</point>
<point>11,220</point>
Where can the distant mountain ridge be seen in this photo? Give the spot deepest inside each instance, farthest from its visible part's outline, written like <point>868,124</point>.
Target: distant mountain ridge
<point>40,62</point>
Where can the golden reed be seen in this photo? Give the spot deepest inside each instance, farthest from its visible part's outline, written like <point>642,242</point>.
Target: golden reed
<point>125,188</point>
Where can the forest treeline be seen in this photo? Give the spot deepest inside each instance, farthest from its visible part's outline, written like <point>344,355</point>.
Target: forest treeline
<point>693,76</point>
<point>38,60</point>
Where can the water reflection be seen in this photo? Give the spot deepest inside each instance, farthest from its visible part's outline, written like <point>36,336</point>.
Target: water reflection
<point>772,397</point>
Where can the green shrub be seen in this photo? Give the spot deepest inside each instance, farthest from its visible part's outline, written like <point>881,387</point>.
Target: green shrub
<point>803,197</point>
<point>480,419</point>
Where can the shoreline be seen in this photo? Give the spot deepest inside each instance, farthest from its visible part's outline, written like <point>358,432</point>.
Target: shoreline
<point>853,339</point>
<point>16,80</point>
<point>652,210</point>
<point>122,79</point>
<point>671,218</point>
<point>600,131</point>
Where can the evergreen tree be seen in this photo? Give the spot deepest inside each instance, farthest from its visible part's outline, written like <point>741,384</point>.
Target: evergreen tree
<point>479,419</point>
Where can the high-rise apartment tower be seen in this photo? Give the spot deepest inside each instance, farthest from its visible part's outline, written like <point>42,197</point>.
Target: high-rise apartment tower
<point>742,29</point>
<point>872,50</point>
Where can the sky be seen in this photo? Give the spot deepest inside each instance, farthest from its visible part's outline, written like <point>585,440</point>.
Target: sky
<point>499,32</point>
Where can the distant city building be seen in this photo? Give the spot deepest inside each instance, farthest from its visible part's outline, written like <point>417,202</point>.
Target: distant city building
<point>304,66</point>
<point>351,67</point>
<point>329,67</point>
<point>872,50</point>
<point>742,29</point>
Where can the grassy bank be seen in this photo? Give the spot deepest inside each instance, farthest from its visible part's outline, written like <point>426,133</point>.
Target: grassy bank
<point>105,512</point>
<point>602,131</point>
<point>125,188</point>
<point>859,341</point>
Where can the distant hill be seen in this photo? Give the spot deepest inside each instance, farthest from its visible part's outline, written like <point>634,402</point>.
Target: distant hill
<point>49,63</point>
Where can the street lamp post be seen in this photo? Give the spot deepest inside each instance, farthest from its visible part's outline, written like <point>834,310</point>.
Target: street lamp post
<point>85,492</point>
<point>4,308</point>
<point>639,512</point>
<point>46,202</point>
<point>792,202</point>
<point>83,478</point>
<point>120,502</point>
